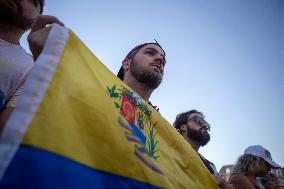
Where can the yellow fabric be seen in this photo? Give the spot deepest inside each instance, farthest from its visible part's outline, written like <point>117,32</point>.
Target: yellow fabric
<point>80,118</point>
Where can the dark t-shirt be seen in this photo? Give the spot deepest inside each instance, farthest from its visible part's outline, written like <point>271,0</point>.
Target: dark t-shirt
<point>207,164</point>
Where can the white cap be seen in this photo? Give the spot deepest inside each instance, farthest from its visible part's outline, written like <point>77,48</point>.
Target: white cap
<point>263,153</point>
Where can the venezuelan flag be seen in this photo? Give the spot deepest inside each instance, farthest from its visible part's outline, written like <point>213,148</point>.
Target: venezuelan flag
<point>78,126</point>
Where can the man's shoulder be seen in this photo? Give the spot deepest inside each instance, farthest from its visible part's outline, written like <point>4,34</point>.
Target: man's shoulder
<point>155,107</point>
<point>9,48</point>
<point>15,64</point>
<point>13,54</point>
<point>210,166</point>
<point>202,157</point>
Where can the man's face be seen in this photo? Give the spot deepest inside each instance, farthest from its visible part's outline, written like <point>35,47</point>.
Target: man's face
<point>197,131</point>
<point>147,66</point>
<point>20,13</point>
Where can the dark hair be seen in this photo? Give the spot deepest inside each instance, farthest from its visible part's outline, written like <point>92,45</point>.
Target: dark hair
<point>41,3</point>
<point>183,117</point>
<point>132,53</point>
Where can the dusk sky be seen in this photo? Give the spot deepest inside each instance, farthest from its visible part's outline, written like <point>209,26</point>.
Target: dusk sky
<point>224,58</point>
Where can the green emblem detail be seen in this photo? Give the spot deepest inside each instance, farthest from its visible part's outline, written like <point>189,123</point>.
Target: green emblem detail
<point>135,117</point>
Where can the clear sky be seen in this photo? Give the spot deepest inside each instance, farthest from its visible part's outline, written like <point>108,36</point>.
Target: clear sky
<point>224,58</point>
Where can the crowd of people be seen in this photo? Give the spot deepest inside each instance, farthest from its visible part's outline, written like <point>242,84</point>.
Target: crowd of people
<point>142,70</point>
<point>251,171</point>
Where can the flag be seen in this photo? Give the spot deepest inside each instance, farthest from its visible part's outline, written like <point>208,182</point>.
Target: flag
<point>78,126</point>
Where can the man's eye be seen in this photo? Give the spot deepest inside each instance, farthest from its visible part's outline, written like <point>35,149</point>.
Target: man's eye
<point>149,52</point>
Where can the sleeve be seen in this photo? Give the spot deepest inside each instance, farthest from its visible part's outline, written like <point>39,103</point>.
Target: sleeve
<point>13,100</point>
<point>214,168</point>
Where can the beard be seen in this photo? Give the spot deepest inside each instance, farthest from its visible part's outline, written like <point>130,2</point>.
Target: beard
<point>199,136</point>
<point>149,78</point>
<point>12,15</point>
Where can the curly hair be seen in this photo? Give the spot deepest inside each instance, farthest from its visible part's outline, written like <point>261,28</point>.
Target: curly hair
<point>247,164</point>
<point>183,117</point>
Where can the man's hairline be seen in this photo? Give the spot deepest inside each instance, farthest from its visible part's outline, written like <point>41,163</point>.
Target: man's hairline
<point>199,113</point>
<point>132,54</point>
<point>137,50</point>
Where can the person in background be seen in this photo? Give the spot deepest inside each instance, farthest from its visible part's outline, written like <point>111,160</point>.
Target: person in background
<point>270,181</point>
<point>194,129</point>
<point>16,17</point>
<point>256,162</point>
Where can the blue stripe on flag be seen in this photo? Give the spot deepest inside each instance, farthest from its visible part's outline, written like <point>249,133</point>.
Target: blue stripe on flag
<point>36,168</point>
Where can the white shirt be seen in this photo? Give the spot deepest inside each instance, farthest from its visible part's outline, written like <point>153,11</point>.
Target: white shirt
<point>15,63</point>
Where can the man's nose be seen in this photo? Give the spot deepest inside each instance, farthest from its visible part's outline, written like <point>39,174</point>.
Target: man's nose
<point>159,59</point>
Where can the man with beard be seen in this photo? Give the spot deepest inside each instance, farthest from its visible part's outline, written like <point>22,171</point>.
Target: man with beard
<point>16,17</point>
<point>194,129</point>
<point>143,69</point>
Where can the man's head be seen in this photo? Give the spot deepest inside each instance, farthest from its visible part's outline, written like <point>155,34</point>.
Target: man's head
<point>20,13</point>
<point>192,126</point>
<point>144,63</point>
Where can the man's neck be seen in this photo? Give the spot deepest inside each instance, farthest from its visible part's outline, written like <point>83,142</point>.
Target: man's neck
<point>195,145</point>
<point>10,34</point>
<point>140,88</point>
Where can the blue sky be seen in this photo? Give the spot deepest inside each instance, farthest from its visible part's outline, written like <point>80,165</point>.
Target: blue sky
<point>224,58</point>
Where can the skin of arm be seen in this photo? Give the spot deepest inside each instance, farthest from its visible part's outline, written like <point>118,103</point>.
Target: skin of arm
<point>222,183</point>
<point>4,116</point>
<point>240,181</point>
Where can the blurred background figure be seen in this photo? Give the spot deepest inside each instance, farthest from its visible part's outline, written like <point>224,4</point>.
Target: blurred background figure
<point>256,162</point>
<point>270,181</point>
<point>195,130</point>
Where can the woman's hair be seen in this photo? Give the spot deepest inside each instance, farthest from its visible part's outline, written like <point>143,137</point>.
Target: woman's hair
<point>247,164</point>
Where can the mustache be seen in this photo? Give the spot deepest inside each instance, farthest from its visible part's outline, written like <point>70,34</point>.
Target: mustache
<point>201,130</point>
<point>157,64</point>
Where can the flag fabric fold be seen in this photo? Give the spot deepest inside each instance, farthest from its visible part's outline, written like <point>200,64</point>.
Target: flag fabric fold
<point>78,126</point>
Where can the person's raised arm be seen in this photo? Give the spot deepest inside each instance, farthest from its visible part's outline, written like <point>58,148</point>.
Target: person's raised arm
<point>39,33</point>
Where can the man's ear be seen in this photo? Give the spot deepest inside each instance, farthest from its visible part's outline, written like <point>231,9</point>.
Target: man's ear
<point>126,64</point>
<point>183,128</point>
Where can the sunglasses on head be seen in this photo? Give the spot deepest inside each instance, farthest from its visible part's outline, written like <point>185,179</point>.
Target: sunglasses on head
<point>201,121</point>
